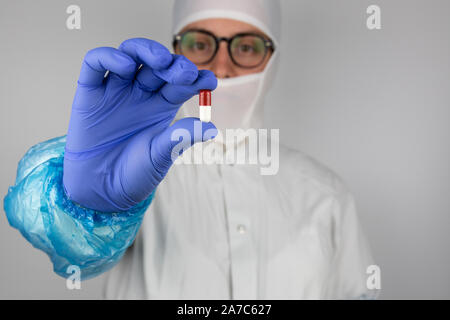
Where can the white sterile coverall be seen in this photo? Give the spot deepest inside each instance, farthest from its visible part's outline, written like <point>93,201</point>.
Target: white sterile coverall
<point>221,231</point>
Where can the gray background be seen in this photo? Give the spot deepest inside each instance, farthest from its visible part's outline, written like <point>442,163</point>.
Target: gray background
<point>371,105</point>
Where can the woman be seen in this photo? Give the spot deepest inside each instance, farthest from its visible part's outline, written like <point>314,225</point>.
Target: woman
<point>211,230</point>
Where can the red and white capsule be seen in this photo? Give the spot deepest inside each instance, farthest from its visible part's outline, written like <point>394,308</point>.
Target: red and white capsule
<point>205,105</point>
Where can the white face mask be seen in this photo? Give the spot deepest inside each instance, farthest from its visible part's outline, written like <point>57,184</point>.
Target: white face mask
<point>235,103</point>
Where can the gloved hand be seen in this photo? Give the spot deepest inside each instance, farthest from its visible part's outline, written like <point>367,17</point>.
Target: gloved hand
<point>119,143</point>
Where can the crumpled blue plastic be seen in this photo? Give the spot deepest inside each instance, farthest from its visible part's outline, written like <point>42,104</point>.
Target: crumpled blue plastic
<point>70,235</point>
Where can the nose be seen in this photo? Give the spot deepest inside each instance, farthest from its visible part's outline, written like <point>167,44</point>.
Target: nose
<point>222,66</point>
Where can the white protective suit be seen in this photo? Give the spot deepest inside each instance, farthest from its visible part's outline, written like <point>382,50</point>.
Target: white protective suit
<point>219,231</point>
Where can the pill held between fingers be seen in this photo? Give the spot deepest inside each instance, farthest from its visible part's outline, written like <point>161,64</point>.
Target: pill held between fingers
<point>205,105</point>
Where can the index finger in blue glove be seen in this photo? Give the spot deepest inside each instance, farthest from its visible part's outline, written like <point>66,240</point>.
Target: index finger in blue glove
<point>99,60</point>
<point>177,94</point>
<point>147,52</point>
<point>181,72</point>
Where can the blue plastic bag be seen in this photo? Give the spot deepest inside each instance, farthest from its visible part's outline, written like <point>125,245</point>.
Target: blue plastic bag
<point>71,235</point>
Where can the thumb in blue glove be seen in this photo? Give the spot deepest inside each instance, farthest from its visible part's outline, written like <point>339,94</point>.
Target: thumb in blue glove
<point>120,142</point>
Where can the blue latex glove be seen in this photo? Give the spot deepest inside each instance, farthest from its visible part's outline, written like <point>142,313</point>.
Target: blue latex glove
<point>119,144</point>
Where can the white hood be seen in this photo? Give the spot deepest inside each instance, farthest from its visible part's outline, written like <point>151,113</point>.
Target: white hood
<point>263,14</point>
<point>249,90</point>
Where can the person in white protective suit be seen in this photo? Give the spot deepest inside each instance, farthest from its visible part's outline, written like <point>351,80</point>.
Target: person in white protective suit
<point>236,233</point>
<point>218,228</point>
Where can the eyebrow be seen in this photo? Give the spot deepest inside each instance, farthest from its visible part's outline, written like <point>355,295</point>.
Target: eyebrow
<point>255,32</point>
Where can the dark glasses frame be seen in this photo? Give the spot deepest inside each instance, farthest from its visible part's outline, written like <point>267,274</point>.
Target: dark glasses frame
<point>268,44</point>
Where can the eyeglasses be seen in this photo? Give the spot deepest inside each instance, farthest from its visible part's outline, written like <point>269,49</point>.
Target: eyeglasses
<point>246,50</point>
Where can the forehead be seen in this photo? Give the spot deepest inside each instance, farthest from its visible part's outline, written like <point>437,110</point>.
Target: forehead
<point>222,27</point>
